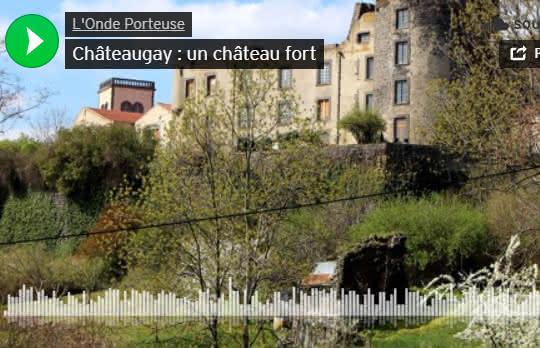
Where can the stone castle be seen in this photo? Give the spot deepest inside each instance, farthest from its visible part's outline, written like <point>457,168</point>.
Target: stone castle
<point>385,64</point>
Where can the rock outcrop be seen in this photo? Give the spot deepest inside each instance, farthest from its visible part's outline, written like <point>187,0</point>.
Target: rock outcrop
<point>377,264</point>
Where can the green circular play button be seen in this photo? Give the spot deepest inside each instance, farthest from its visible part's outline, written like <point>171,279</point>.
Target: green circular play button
<point>32,41</point>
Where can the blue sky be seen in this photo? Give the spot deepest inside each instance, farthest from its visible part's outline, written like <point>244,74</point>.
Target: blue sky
<point>228,19</point>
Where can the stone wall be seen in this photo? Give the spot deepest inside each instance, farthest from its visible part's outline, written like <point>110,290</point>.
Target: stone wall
<point>418,168</point>
<point>348,86</point>
<point>428,24</point>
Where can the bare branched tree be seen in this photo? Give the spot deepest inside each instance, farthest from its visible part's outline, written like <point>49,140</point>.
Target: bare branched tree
<point>497,318</point>
<point>219,160</point>
<point>14,102</point>
<point>45,128</point>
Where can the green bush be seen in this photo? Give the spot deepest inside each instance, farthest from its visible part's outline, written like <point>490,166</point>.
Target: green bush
<point>23,145</point>
<point>365,126</point>
<point>36,215</point>
<point>35,266</point>
<point>24,265</point>
<point>514,212</point>
<point>439,229</point>
<point>86,160</point>
<point>18,169</point>
<point>82,163</point>
<point>78,273</point>
<point>33,216</point>
<point>304,136</point>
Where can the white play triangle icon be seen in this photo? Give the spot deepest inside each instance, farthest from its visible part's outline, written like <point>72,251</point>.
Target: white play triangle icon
<point>33,41</point>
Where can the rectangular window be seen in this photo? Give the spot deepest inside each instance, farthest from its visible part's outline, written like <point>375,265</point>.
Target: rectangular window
<point>210,85</point>
<point>245,144</point>
<point>245,78</point>
<point>370,65</point>
<point>323,110</point>
<point>402,53</point>
<point>362,38</point>
<point>243,117</point>
<point>324,74</point>
<point>369,102</point>
<point>284,113</point>
<point>285,78</point>
<point>190,88</point>
<point>402,18</point>
<point>401,129</point>
<point>402,92</point>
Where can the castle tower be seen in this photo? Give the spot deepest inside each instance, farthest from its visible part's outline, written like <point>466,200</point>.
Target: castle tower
<point>386,63</point>
<point>119,94</point>
<point>407,37</point>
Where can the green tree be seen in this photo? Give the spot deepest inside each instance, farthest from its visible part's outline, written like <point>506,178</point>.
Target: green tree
<point>484,113</point>
<point>365,126</point>
<point>19,171</point>
<point>201,172</point>
<point>85,161</point>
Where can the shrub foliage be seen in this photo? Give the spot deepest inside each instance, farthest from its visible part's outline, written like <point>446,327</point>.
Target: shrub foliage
<point>42,215</point>
<point>41,269</point>
<point>439,229</point>
<point>84,160</point>
<point>365,126</point>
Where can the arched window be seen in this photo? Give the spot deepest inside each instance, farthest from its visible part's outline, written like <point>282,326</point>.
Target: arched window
<point>137,107</point>
<point>126,106</point>
<point>106,106</point>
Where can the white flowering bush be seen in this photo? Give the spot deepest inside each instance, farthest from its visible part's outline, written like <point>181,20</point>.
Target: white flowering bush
<point>501,304</point>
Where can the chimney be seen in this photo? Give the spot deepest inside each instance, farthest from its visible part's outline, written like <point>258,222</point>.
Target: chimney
<point>178,88</point>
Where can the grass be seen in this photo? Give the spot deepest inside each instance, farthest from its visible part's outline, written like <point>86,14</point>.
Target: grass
<point>136,334</point>
<point>438,333</point>
<point>188,335</point>
<point>3,333</point>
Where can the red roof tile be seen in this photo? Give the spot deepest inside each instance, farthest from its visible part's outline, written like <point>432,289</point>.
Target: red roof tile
<point>119,116</point>
<point>166,106</point>
<point>318,279</point>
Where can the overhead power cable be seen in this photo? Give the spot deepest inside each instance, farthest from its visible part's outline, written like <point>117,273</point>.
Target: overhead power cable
<point>248,213</point>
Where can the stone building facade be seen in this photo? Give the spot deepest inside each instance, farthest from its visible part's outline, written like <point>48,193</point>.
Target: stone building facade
<point>385,63</point>
<point>407,46</point>
<point>103,117</point>
<point>119,101</point>
<point>156,119</point>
